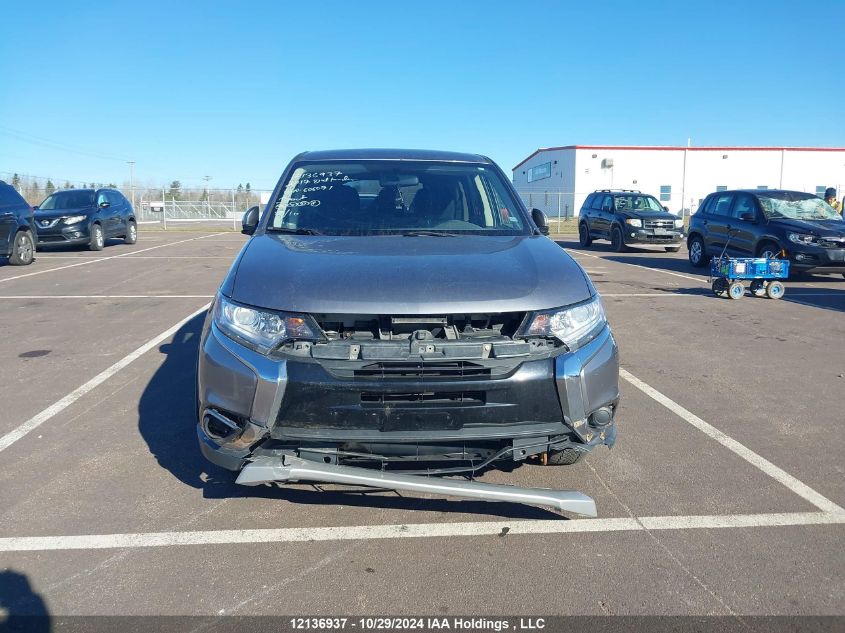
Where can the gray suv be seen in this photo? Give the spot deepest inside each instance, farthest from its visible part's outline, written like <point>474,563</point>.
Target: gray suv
<point>397,313</point>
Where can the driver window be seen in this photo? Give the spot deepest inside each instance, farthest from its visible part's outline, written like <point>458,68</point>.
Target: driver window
<point>607,203</point>
<point>101,198</point>
<point>744,204</point>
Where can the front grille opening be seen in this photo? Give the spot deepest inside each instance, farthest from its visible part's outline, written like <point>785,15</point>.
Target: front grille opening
<point>364,327</point>
<point>456,369</point>
<point>458,398</point>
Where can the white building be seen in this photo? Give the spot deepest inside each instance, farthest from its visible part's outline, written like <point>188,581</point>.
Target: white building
<point>557,179</point>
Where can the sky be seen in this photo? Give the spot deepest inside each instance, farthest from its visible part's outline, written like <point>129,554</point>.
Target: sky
<point>234,90</point>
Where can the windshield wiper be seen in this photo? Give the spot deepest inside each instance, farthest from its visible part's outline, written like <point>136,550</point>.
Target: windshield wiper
<point>283,229</point>
<point>427,234</point>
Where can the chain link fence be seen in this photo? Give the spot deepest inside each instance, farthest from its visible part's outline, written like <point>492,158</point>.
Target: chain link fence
<point>221,209</point>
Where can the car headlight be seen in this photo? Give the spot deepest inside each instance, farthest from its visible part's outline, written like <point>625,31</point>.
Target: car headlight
<point>679,223</point>
<point>571,326</point>
<point>801,238</point>
<point>634,222</point>
<point>75,219</point>
<point>261,330</point>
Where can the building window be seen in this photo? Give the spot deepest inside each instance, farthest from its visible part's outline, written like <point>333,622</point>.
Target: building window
<point>540,172</point>
<point>820,189</point>
<point>665,193</point>
<point>721,187</point>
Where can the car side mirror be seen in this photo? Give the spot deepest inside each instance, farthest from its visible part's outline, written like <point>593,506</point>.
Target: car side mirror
<point>540,220</point>
<point>250,221</point>
<point>665,207</point>
<point>35,208</point>
<point>105,204</point>
<point>747,217</point>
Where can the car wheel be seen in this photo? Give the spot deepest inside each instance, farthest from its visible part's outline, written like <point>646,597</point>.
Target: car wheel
<point>696,252</point>
<point>775,290</point>
<point>758,288</point>
<point>23,249</point>
<point>131,236</point>
<point>98,240</point>
<point>617,242</point>
<point>672,249</point>
<point>768,250</point>
<point>564,458</point>
<point>736,290</point>
<point>584,235</point>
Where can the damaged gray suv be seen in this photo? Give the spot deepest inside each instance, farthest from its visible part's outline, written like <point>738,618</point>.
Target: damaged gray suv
<point>399,313</point>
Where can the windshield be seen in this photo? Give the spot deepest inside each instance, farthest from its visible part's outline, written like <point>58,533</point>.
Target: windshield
<point>67,200</point>
<point>638,204</point>
<point>796,206</point>
<point>392,197</point>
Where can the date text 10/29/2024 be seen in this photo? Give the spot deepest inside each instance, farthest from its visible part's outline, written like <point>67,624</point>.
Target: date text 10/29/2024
<point>464,624</point>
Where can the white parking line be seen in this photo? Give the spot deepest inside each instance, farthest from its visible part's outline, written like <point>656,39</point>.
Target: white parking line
<point>799,488</point>
<point>106,296</point>
<point>657,270</point>
<point>37,420</point>
<point>418,530</point>
<point>133,256</point>
<point>102,259</point>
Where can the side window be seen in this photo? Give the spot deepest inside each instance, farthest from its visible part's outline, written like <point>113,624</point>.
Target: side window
<point>589,201</point>
<point>722,205</point>
<point>742,205</point>
<point>607,203</point>
<point>102,197</point>
<point>9,198</point>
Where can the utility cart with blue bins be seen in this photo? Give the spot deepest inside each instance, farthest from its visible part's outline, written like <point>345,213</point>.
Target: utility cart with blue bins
<point>727,274</point>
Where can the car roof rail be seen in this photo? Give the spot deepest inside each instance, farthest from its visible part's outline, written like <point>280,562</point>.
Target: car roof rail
<point>618,191</point>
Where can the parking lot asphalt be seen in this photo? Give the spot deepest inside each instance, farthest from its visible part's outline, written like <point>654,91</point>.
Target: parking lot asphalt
<point>722,496</point>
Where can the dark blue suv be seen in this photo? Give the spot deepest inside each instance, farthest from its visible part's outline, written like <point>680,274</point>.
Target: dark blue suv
<point>769,223</point>
<point>85,216</point>
<point>17,227</point>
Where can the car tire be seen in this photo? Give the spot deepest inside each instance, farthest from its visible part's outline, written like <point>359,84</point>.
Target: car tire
<point>672,249</point>
<point>696,252</point>
<point>98,239</point>
<point>768,250</point>
<point>565,457</point>
<point>23,249</point>
<point>617,242</point>
<point>736,290</point>
<point>775,290</point>
<point>584,236</point>
<point>131,236</point>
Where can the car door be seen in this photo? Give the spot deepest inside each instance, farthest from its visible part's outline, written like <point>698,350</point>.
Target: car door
<point>742,226</point>
<point>603,216</point>
<point>120,209</point>
<point>717,223</point>
<point>8,221</point>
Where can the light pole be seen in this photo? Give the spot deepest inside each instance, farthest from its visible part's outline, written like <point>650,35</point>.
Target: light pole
<point>207,195</point>
<point>132,181</point>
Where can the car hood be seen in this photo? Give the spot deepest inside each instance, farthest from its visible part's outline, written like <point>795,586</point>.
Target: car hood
<point>825,228</point>
<point>650,216</point>
<point>62,213</point>
<point>405,275</point>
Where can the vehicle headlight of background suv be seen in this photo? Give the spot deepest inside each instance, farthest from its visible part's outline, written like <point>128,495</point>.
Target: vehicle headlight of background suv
<point>679,223</point>
<point>572,326</point>
<point>634,222</point>
<point>261,330</point>
<point>75,219</point>
<point>802,238</point>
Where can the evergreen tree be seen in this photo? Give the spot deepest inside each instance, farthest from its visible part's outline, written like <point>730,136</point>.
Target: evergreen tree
<point>175,189</point>
<point>16,182</point>
<point>49,187</point>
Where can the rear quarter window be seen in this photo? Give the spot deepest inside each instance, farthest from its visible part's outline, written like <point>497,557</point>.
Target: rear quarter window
<point>10,199</point>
